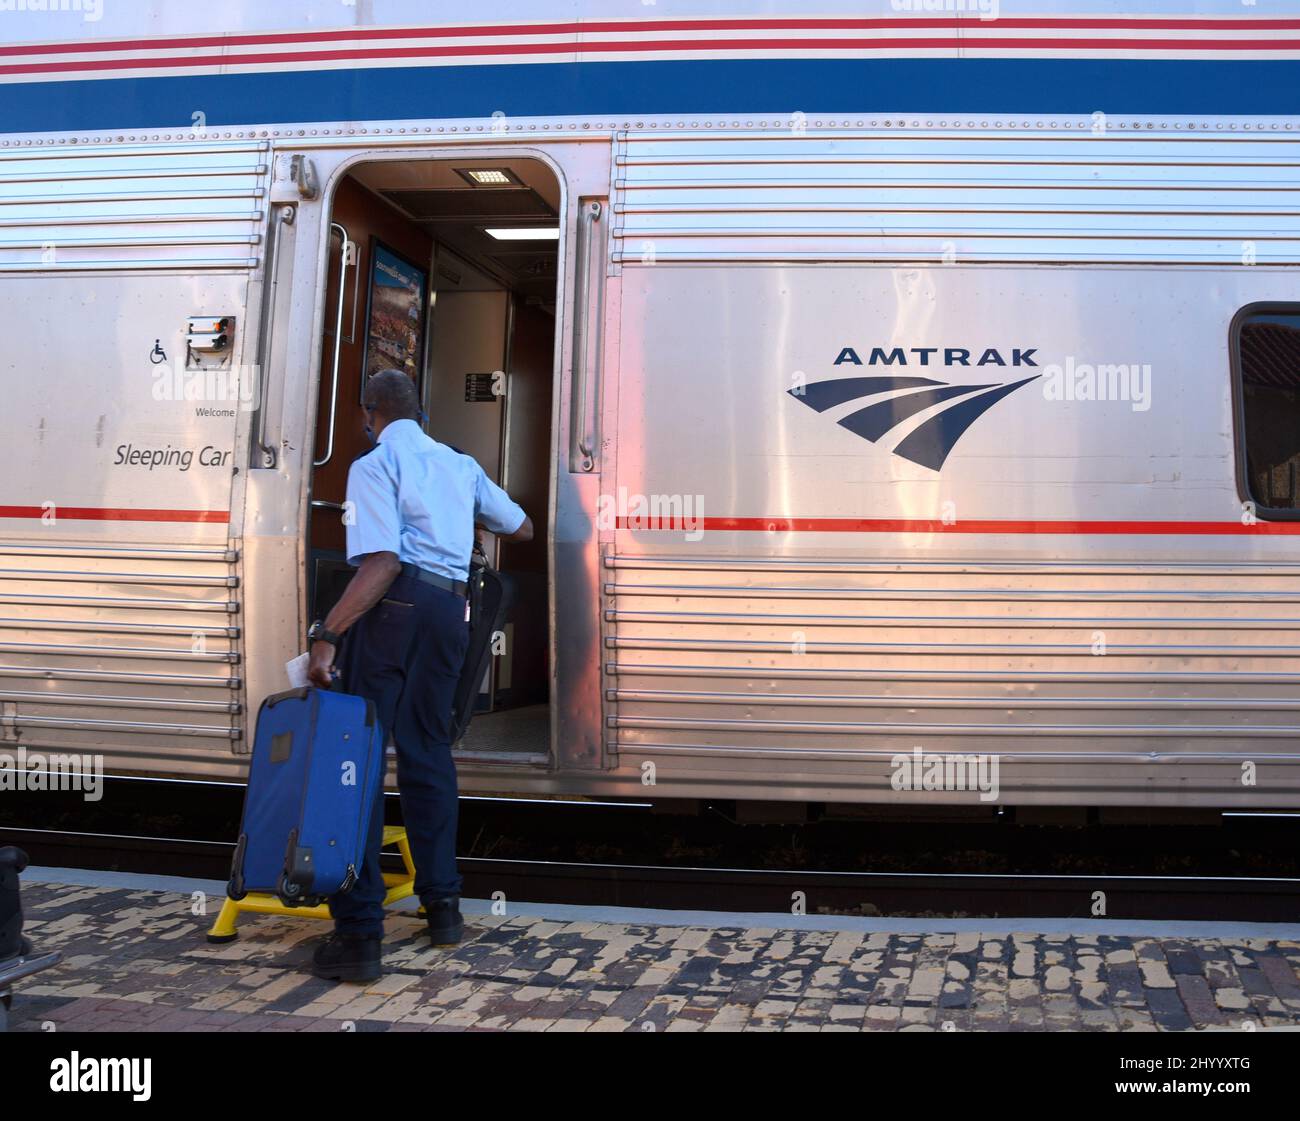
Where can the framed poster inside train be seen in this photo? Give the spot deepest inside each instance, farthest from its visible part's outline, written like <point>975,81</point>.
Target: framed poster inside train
<point>396,302</point>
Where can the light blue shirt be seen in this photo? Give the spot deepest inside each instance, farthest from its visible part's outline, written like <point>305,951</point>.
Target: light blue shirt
<point>420,499</point>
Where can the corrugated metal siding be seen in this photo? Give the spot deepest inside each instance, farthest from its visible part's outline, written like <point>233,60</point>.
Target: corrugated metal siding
<point>958,198</point>
<point>764,660</point>
<point>124,206</point>
<point>132,653</point>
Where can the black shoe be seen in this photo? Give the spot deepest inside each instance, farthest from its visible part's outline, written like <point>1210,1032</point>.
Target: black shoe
<point>348,957</point>
<point>445,923</point>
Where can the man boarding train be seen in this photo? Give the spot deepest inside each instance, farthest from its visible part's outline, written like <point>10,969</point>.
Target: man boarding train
<point>414,505</point>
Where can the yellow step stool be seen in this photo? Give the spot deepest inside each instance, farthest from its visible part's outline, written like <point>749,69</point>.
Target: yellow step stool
<point>400,885</point>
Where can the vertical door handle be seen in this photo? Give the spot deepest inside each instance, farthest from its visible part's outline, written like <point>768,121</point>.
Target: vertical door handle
<point>588,313</point>
<point>346,257</point>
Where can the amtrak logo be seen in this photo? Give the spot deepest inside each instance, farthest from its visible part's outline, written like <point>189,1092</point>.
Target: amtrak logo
<point>895,400</point>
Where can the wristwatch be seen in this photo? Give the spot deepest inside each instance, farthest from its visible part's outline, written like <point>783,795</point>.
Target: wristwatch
<point>317,633</point>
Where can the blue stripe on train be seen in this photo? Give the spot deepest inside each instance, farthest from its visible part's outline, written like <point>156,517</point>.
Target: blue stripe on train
<point>750,86</point>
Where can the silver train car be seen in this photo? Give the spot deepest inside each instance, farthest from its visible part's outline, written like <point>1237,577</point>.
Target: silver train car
<point>902,389</point>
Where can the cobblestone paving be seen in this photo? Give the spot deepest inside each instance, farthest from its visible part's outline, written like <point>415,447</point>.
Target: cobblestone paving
<point>137,961</point>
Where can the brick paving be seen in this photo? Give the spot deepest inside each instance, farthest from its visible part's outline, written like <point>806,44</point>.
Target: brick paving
<point>136,960</point>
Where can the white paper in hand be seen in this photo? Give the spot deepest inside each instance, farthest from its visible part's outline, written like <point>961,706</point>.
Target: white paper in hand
<point>296,668</point>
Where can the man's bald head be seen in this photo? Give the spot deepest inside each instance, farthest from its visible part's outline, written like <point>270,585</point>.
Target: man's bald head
<point>392,395</point>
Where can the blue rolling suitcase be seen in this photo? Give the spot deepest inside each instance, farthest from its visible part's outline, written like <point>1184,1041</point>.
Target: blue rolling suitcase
<point>317,759</point>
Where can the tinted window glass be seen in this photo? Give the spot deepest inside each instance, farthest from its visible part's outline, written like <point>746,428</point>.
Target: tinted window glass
<point>1269,365</point>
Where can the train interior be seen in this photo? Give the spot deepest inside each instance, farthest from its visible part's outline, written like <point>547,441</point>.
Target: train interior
<point>453,278</point>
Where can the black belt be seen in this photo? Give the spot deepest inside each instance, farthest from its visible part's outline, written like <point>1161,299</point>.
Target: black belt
<point>459,587</point>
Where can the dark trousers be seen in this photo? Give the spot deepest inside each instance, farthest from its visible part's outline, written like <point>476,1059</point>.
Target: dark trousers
<point>406,654</point>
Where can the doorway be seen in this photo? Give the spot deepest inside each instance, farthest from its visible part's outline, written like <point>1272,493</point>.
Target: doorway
<point>452,275</point>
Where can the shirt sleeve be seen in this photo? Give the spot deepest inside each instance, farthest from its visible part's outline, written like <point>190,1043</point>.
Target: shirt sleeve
<point>493,507</point>
<point>373,523</point>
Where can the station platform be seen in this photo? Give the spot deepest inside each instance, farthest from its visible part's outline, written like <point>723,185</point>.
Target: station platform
<point>135,959</point>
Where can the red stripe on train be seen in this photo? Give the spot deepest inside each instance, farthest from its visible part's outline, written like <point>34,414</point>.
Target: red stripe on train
<point>759,525</point>
<point>1122,23</point>
<point>113,514</point>
<point>922,525</point>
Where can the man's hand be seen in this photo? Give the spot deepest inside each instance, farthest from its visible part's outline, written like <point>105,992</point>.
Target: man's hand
<point>364,590</point>
<point>320,668</point>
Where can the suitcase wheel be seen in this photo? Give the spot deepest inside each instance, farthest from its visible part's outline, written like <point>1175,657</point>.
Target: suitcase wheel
<point>235,888</point>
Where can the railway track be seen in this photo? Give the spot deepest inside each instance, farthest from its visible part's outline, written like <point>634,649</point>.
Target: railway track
<point>747,890</point>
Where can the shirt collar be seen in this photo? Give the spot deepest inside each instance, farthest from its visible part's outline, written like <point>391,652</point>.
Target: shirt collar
<point>398,430</point>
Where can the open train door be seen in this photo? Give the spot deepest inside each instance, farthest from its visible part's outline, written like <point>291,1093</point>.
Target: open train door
<point>392,255</point>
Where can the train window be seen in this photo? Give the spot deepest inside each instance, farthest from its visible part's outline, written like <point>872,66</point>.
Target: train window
<point>1266,352</point>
